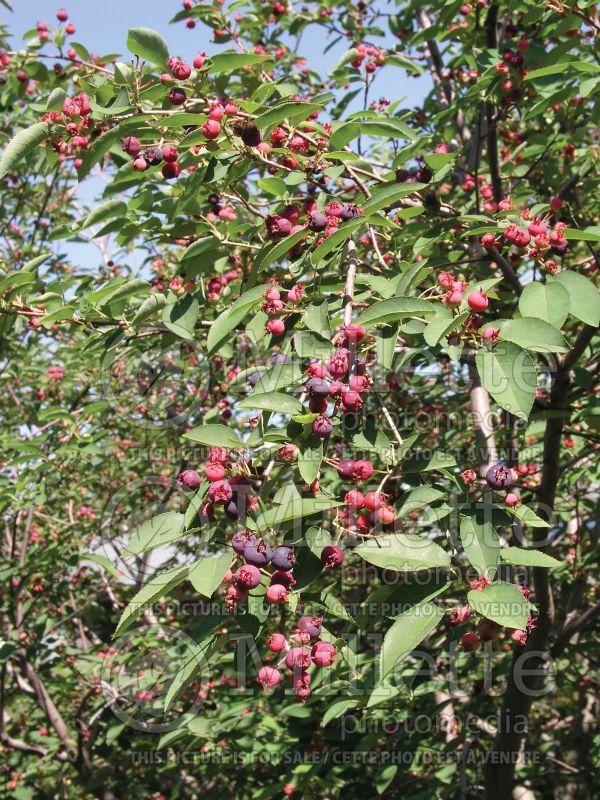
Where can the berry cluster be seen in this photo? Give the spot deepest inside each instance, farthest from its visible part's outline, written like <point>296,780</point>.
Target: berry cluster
<point>304,650</point>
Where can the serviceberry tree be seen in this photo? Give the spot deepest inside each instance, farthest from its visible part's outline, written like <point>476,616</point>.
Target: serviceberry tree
<point>299,471</point>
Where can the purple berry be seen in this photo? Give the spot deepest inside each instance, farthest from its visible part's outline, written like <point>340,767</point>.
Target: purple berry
<point>283,558</point>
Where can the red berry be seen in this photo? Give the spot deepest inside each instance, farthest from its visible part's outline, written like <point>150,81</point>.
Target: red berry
<point>511,500</point>
<point>170,170</point>
<point>211,129</point>
<point>354,499</point>
<point>478,301</point>
<point>470,641</point>
<point>298,658</point>
<point>199,61</point>
<point>169,153</point>
<point>61,15</point>
<point>332,556</point>
<point>373,501</point>
<point>220,492</point>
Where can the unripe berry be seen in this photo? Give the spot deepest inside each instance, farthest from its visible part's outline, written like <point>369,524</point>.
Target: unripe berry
<point>354,499</point>
<point>220,492</point>
<point>277,593</point>
<point>478,301</point>
<point>189,479</point>
<point>140,164</point>
<point>323,654</point>
<point>276,327</point>
<point>211,129</point>
<point>332,556</point>
<point>214,472</point>
<point>511,500</point>
<point>61,15</point>
<point>169,153</point>
<point>268,677</point>
<point>248,576</point>
<point>373,501</point>
<point>199,61</point>
<point>298,658</point>
<point>276,642</point>
<point>322,427</point>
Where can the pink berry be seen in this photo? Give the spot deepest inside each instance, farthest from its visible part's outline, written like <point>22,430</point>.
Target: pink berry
<point>211,129</point>
<point>214,472</point>
<point>373,501</point>
<point>277,593</point>
<point>268,677</point>
<point>276,642</point>
<point>275,327</point>
<point>189,479</point>
<point>511,500</point>
<point>61,15</point>
<point>478,301</point>
<point>248,576</point>
<point>298,658</point>
<point>323,654</point>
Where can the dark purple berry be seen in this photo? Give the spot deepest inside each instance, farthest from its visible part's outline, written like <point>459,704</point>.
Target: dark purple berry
<point>283,558</point>
<point>499,477</point>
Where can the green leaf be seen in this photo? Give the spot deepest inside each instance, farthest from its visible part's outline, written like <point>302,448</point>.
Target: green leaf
<point>293,507</point>
<point>158,587</point>
<point>406,633</point>
<point>393,309</point>
<point>207,574</point>
<point>389,194</point>
<point>584,297</point>
<point>534,334</point>
<point>231,318</point>
<point>16,278</point>
<point>180,317</point>
<point>481,545</point>
<point>547,301</point>
<point>102,561</point>
<point>404,552</point>
<point>528,517</point>
<point>337,709</point>
<point>309,458</point>
<point>272,401</point>
<point>151,304</point>
<point>274,252</point>
<point>149,45</point>
<point>21,144</point>
<point>214,436</point>
<point>502,603</point>
<point>231,61</point>
<point>107,210</point>
<point>529,558</point>
<point>339,237</point>
<point>438,329</point>
<point>292,110</point>
<point>158,531</point>
<point>587,235</point>
<point>195,661</point>
<point>509,375</point>
<point>387,128</point>
<point>316,319</point>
